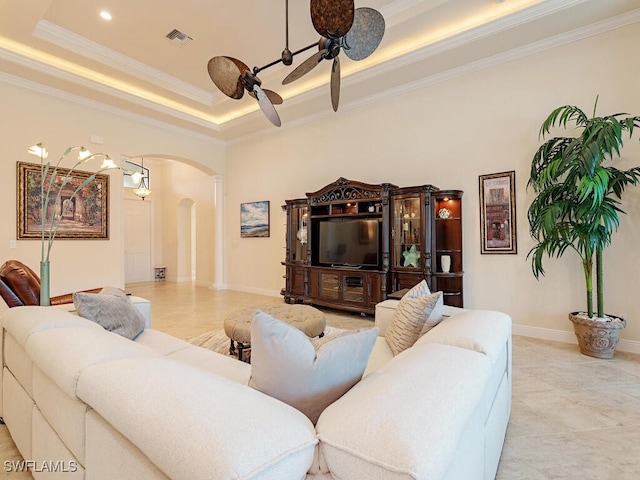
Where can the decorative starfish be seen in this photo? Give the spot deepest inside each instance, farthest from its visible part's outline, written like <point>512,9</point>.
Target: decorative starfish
<point>411,257</point>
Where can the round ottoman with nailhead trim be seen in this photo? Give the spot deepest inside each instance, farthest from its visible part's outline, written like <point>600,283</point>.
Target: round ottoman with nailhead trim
<point>305,318</point>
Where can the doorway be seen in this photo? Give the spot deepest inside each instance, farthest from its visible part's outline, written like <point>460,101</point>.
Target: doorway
<point>187,263</point>
<point>137,241</point>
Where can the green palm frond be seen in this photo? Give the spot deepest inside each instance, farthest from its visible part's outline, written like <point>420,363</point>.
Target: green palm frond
<point>576,205</point>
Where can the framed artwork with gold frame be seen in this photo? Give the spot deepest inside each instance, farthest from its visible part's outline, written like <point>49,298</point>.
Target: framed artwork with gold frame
<point>83,216</point>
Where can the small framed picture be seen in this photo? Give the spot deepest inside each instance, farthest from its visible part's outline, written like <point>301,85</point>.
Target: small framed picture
<point>254,219</point>
<point>498,213</point>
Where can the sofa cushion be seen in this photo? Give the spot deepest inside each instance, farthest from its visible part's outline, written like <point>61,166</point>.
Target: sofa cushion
<point>222,429</point>
<point>65,414</point>
<point>418,407</point>
<point>63,353</point>
<point>112,309</point>
<point>483,331</point>
<point>213,362</point>
<point>436,315</point>
<point>22,322</point>
<point>285,364</point>
<point>411,318</point>
<point>161,342</point>
<point>380,355</point>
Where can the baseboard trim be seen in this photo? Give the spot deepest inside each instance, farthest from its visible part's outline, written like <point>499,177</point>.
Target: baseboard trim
<point>630,346</point>
<point>184,279</point>
<point>257,291</point>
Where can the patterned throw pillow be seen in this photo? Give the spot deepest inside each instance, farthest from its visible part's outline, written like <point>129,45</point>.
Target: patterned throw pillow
<point>285,365</point>
<point>411,318</point>
<point>111,309</point>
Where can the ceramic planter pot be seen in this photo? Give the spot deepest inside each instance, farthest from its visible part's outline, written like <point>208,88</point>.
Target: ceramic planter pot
<point>597,338</point>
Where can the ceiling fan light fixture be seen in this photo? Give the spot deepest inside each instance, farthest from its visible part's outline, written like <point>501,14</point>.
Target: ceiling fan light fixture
<point>333,20</point>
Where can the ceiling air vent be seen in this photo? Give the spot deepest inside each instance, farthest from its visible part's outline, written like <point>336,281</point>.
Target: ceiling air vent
<point>178,38</point>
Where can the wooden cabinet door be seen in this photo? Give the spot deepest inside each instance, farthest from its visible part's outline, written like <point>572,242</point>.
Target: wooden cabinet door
<point>329,285</point>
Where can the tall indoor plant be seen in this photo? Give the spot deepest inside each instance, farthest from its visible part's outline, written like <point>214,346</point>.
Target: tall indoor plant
<point>577,208</point>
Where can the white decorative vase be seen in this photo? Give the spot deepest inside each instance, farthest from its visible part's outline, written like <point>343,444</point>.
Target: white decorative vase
<point>445,261</point>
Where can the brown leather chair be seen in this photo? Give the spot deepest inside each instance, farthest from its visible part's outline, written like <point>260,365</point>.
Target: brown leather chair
<point>20,286</point>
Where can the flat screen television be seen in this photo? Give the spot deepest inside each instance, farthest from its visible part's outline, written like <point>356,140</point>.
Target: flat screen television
<point>350,243</point>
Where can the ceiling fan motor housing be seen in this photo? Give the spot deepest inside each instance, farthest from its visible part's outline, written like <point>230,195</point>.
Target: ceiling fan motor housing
<point>287,57</point>
<point>331,45</point>
<point>249,80</point>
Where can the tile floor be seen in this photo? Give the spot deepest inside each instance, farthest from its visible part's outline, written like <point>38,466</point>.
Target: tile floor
<point>573,417</point>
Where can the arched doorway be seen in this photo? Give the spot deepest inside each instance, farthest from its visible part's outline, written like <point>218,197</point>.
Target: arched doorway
<point>186,235</point>
<point>137,241</point>
<point>179,192</point>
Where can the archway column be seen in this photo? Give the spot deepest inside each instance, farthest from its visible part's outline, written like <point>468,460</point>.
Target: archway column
<point>218,236</point>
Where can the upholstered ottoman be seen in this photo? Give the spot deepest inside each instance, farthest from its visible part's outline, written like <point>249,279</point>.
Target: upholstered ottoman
<point>305,318</point>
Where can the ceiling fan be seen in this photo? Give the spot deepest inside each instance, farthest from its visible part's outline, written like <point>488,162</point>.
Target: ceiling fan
<point>356,31</point>
<point>233,77</point>
<point>341,27</point>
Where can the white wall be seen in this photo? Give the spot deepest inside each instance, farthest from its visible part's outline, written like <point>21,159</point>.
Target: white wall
<point>447,135</point>
<point>29,117</point>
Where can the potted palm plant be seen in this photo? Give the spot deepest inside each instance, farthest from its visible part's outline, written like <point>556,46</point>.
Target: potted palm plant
<point>577,207</point>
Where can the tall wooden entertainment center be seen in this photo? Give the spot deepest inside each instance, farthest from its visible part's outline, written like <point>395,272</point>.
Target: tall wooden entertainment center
<point>399,237</point>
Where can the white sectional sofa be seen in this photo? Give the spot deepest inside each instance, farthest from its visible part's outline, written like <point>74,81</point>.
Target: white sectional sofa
<point>87,403</point>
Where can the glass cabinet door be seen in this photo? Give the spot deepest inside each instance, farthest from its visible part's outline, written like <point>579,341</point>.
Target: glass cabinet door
<point>407,226</point>
<point>353,288</point>
<point>329,286</point>
<point>299,249</point>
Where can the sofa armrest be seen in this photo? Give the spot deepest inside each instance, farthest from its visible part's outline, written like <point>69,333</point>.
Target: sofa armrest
<point>384,314</point>
<point>385,310</point>
<point>144,306</point>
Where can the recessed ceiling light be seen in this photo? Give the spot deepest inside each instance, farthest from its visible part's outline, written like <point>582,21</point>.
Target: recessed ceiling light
<point>105,15</point>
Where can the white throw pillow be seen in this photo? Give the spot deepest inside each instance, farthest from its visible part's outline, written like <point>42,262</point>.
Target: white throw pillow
<point>435,317</point>
<point>285,365</point>
<point>412,317</point>
<point>112,309</point>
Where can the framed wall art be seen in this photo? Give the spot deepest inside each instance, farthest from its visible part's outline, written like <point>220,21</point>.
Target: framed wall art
<point>498,213</point>
<point>254,219</point>
<point>83,215</point>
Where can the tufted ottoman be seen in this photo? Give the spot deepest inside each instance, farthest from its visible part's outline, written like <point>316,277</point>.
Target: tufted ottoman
<point>305,318</point>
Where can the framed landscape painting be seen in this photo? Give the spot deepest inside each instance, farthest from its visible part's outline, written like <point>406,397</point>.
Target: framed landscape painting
<point>254,219</point>
<point>84,215</point>
<point>498,213</point>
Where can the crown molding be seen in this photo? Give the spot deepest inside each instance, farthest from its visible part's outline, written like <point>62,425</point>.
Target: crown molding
<point>489,62</point>
<point>350,80</point>
<point>392,12</point>
<point>99,86</point>
<point>469,36</point>
<point>80,100</point>
<point>513,54</point>
<point>82,46</point>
